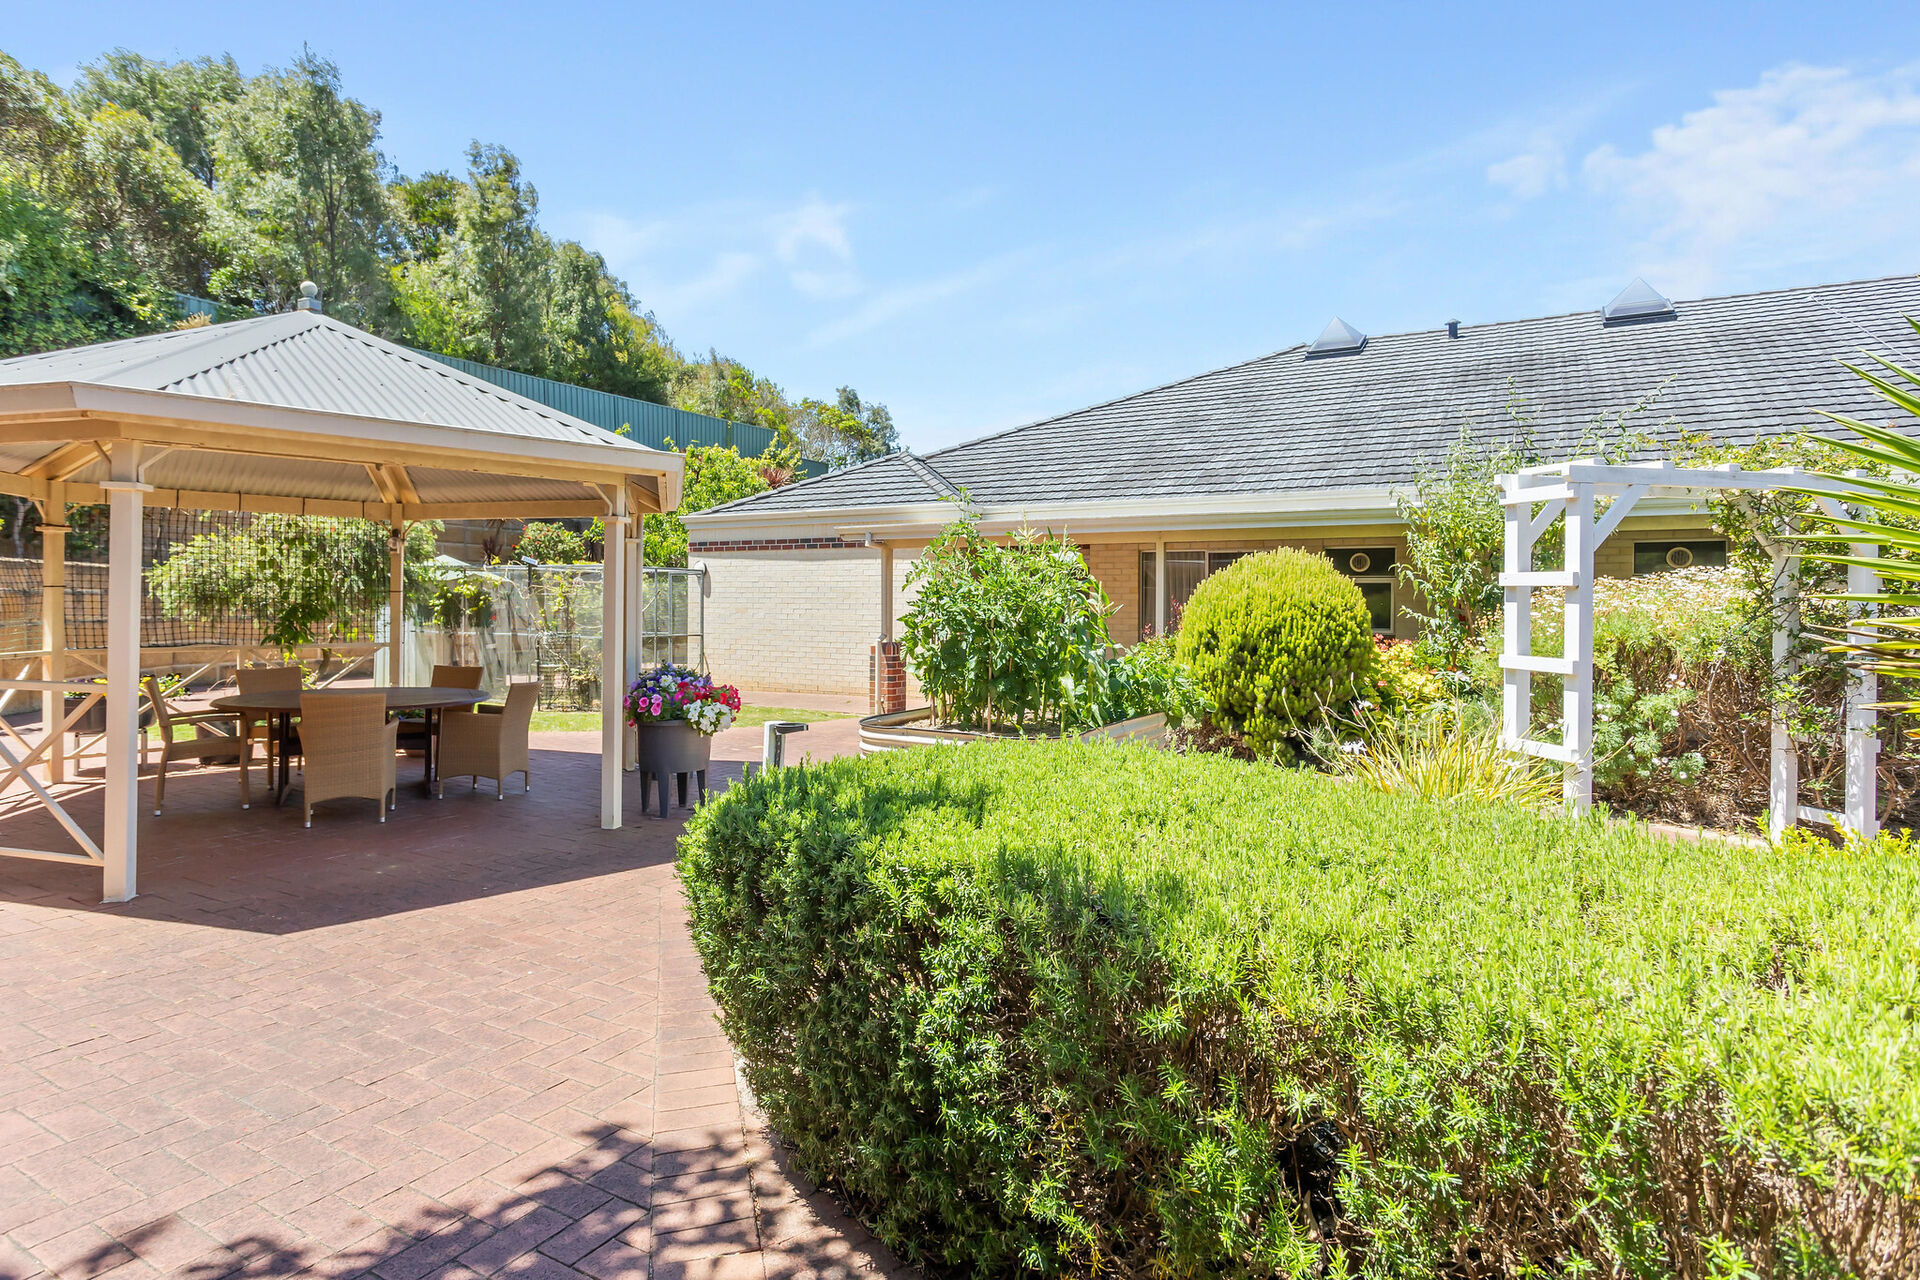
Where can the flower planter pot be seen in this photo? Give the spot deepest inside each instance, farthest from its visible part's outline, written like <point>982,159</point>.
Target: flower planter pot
<point>671,748</point>
<point>95,718</point>
<point>899,730</point>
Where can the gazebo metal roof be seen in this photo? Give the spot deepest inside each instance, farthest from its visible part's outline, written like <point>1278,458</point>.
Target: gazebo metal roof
<point>348,419</point>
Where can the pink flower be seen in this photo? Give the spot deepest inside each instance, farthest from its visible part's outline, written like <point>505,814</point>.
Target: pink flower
<point>656,704</point>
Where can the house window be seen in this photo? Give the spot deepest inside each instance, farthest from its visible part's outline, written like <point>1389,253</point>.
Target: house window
<point>1658,557</point>
<point>1185,571</point>
<point>1372,570</point>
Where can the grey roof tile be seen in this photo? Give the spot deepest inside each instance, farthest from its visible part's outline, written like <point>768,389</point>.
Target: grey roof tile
<point>1734,367</point>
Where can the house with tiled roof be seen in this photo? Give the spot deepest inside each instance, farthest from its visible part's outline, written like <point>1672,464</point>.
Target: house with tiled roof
<point>1307,447</point>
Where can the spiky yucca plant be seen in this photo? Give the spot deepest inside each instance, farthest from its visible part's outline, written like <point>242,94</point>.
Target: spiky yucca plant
<point>1885,645</point>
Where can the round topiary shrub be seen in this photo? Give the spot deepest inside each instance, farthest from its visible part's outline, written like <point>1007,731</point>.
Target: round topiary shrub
<point>1276,638</point>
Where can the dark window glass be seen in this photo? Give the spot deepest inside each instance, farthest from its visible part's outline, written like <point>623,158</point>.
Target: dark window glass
<point>1218,560</point>
<point>1363,562</point>
<point>1371,569</point>
<point>1658,557</point>
<point>1379,598</point>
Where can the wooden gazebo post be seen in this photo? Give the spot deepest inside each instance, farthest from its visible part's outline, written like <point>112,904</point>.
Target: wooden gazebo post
<point>53,620</point>
<point>125,495</point>
<point>613,660</point>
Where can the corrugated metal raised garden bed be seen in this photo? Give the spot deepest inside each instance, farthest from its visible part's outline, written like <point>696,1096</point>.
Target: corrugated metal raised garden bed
<point>898,730</point>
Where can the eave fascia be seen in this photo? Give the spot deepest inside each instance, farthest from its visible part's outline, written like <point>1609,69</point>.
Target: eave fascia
<point>925,520</point>
<point>1326,508</point>
<point>296,432</point>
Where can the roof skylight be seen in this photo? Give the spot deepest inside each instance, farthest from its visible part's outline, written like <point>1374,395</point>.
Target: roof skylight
<point>1638,301</point>
<point>1338,339</point>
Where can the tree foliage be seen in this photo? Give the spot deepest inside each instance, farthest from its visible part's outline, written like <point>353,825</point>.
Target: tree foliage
<point>182,99</point>
<point>845,431</point>
<point>546,542</point>
<point>305,579</point>
<point>56,288</point>
<point>190,176</point>
<point>303,186</point>
<point>714,474</point>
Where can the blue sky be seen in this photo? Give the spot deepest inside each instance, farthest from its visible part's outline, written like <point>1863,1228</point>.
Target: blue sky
<point>989,214</point>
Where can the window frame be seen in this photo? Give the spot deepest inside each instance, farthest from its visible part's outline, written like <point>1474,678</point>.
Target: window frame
<point>1372,576</point>
<point>1207,556</point>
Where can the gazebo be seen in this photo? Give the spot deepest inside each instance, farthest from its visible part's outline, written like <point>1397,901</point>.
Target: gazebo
<point>295,414</point>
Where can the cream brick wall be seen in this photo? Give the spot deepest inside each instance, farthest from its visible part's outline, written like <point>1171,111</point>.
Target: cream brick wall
<point>797,620</point>
<point>804,620</point>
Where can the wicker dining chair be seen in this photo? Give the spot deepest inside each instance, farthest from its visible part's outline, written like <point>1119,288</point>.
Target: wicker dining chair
<point>212,735</point>
<point>492,744</point>
<point>349,746</point>
<point>413,733</point>
<point>260,728</point>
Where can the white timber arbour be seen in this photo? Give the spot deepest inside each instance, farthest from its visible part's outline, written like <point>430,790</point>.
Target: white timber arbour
<point>293,414</point>
<point>1593,497</point>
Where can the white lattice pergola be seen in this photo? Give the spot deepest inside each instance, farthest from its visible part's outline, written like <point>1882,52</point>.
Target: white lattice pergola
<point>1574,491</point>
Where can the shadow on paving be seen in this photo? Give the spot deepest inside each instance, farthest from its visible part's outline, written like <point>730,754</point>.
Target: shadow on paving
<point>208,862</point>
<point>581,1207</point>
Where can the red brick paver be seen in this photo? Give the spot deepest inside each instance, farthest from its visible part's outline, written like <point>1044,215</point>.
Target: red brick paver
<point>472,1042</point>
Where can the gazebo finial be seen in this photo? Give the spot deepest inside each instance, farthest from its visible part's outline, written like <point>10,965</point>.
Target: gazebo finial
<point>309,297</point>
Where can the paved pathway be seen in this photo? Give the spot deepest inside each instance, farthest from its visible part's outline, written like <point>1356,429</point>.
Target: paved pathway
<point>474,1041</point>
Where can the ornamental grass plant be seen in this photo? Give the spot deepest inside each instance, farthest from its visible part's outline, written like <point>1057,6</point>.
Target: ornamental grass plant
<point>1447,751</point>
<point>1090,1010</point>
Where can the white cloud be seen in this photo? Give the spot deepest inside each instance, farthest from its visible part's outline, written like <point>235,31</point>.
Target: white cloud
<point>1810,165</point>
<point>891,304</point>
<point>1541,168</point>
<point>727,274</point>
<point>811,241</point>
<point>728,247</point>
<point>812,224</point>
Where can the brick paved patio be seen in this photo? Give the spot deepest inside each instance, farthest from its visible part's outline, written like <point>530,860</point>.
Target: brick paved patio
<point>474,1041</point>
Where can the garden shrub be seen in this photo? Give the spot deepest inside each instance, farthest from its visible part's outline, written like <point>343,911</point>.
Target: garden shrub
<point>548,542</point>
<point>1683,691</point>
<point>1445,751</point>
<point>1108,1011</point>
<point>1276,639</point>
<point>1406,679</point>
<point>1147,678</point>
<point>1003,635</point>
<point>1012,636</point>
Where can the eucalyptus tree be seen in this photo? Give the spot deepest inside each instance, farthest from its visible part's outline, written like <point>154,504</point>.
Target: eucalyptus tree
<point>300,181</point>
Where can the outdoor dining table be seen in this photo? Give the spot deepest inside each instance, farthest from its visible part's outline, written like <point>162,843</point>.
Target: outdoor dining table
<point>282,705</point>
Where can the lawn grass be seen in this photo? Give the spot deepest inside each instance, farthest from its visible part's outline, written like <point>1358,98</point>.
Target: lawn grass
<point>589,721</point>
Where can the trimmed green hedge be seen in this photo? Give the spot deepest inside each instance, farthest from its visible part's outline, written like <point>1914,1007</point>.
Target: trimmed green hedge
<point>1275,640</point>
<point>1103,1010</point>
